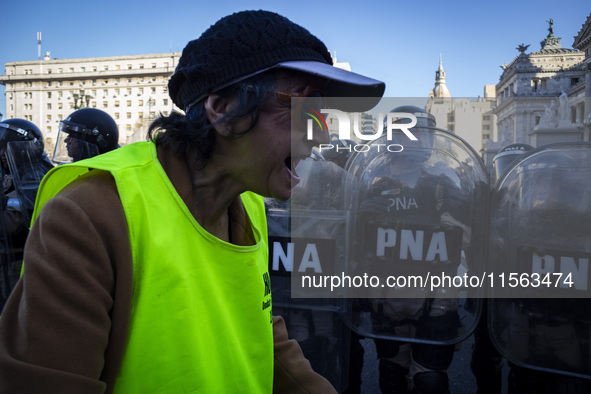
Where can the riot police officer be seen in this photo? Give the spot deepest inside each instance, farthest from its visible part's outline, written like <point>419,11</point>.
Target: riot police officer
<point>540,222</point>
<point>486,362</point>
<point>313,216</point>
<point>425,193</point>
<point>85,133</point>
<point>23,165</point>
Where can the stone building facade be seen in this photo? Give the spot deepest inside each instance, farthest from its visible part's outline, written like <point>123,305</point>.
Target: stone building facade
<point>580,94</point>
<point>536,101</point>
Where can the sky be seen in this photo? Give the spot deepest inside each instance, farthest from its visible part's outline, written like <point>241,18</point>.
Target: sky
<point>398,42</point>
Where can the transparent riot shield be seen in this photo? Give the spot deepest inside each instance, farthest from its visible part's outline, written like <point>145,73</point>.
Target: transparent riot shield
<point>21,180</point>
<point>418,238</point>
<point>306,235</point>
<point>540,314</point>
<point>28,165</point>
<point>7,272</point>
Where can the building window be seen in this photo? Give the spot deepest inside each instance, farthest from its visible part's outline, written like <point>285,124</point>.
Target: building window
<point>60,105</point>
<point>153,65</point>
<point>117,104</point>
<point>128,91</point>
<point>140,103</point>
<point>128,127</point>
<point>129,103</point>
<point>574,81</point>
<point>116,115</point>
<point>485,117</point>
<point>49,71</point>
<point>485,127</point>
<point>141,66</point>
<point>60,70</point>
<point>129,66</point>
<point>165,102</point>
<point>105,104</point>
<point>48,105</point>
<point>48,95</point>
<point>105,68</point>
<point>128,115</point>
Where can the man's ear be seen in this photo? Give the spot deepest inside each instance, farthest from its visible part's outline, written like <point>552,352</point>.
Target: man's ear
<point>216,108</point>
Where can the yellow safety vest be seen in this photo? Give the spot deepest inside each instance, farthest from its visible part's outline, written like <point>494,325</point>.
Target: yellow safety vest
<point>201,307</point>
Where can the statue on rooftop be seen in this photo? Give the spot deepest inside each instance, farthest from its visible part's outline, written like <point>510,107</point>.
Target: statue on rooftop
<point>551,27</point>
<point>522,48</point>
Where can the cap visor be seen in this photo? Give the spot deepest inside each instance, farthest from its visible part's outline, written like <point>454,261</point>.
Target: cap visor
<point>343,83</point>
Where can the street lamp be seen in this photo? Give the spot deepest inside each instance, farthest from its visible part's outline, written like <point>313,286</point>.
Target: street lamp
<point>81,100</point>
<point>151,103</point>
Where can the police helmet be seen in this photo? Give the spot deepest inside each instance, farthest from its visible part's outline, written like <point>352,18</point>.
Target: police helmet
<point>14,130</point>
<point>424,119</point>
<point>85,133</point>
<point>19,130</point>
<point>94,126</point>
<point>507,156</point>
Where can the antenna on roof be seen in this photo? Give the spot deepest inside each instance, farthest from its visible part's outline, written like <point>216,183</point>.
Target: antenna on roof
<point>39,45</point>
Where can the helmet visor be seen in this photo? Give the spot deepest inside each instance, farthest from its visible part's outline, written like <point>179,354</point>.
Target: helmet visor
<point>6,129</point>
<point>71,145</point>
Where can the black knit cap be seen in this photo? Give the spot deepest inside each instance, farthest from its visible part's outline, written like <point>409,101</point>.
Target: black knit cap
<point>239,45</point>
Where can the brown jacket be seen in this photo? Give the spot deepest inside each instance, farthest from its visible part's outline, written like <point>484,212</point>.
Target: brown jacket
<point>65,325</point>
